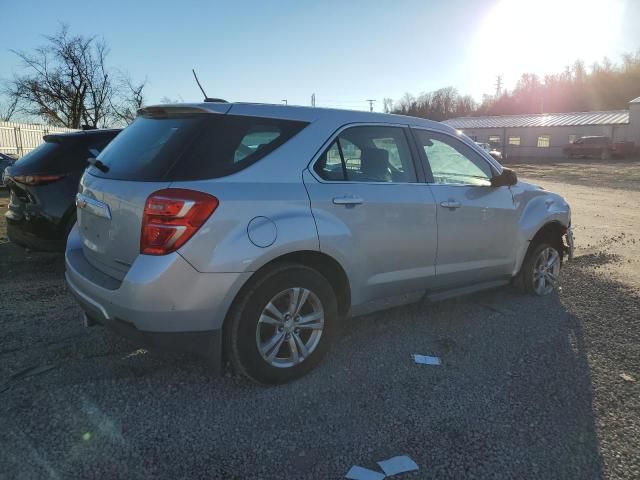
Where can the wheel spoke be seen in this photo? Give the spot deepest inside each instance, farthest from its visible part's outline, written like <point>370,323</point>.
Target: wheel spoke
<point>272,347</point>
<point>274,312</point>
<point>540,284</point>
<point>301,346</point>
<point>312,321</point>
<point>295,355</point>
<point>301,301</point>
<point>294,295</point>
<point>267,320</point>
<point>550,278</point>
<point>553,258</point>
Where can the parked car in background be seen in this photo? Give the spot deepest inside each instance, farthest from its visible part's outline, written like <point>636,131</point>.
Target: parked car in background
<point>43,185</point>
<point>484,146</point>
<point>598,147</point>
<point>5,161</point>
<point>496,154</point>
<point>260,227</point>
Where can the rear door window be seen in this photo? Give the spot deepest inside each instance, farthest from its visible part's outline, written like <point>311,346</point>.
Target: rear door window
<point>376,154</point>
<point>192,147</point>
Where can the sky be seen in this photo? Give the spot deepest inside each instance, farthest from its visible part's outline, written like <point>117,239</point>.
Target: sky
<point>343,51</point>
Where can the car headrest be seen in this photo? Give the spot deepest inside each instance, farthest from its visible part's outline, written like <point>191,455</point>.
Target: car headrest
<point>374,163</point>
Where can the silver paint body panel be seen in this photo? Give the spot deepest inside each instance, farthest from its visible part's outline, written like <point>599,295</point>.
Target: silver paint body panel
<point>393,240</point>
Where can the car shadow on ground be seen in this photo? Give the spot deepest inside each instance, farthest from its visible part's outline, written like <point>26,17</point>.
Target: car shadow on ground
<point>512,398</point>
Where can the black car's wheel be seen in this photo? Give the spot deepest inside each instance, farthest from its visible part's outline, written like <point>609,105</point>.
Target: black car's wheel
<point>540,269</point>
<point>281,325</point>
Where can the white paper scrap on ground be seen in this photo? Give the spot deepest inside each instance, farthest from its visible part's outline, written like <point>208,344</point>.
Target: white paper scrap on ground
<point>397,465</point>
<point>426,359</point>
<point>360,473</point>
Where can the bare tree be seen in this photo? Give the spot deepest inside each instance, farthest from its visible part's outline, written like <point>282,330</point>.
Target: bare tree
<point>8,109</point>
<point>67,82</point>
<point>130,100</point>
<point>387,104</point>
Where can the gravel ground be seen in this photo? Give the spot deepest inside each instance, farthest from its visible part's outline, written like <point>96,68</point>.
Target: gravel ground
<point>528,388</point>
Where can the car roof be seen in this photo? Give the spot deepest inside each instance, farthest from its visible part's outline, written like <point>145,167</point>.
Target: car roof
<point>301,113</point>
<point>81,134</point>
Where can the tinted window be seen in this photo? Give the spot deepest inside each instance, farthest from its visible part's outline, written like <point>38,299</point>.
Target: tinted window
<point>453,162</point>
<point>329,166</point>
<point>192,147</point>
<point>368,154</point>
<point>40,155</point>
<point>97,143</point>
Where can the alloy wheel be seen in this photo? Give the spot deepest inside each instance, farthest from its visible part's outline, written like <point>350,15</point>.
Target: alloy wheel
<point>546,270</point>
<point>290,327</point>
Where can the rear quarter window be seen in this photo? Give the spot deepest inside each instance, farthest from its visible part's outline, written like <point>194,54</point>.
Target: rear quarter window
<point>192,147</point>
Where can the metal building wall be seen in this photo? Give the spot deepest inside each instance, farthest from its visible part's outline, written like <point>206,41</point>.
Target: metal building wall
<point>558,136</point>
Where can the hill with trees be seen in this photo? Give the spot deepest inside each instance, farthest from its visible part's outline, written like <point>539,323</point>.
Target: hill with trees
<point>604,86</point>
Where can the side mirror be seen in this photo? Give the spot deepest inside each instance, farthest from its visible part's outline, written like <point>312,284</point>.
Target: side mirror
<point>506,179</point>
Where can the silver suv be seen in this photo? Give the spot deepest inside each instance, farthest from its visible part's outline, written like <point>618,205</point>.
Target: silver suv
<point>249,232</point>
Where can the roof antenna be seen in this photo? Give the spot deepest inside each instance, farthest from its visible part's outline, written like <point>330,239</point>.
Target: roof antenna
<point>206,99</point>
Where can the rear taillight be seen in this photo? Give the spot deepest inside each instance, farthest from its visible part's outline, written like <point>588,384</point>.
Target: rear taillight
<point>36,179</point>
<point>171,217</point>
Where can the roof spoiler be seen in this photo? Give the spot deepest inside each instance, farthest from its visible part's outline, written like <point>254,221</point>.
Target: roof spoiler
<point>164,111</point>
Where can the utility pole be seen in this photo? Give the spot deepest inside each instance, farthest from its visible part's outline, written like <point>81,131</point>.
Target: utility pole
<point>285,101</point>
<point>370,104</point>
<point>498,85</point>
<point>313,99</point>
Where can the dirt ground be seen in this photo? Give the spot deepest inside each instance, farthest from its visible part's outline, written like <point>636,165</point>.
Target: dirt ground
<point>528,387</point>
<point>605,204</point>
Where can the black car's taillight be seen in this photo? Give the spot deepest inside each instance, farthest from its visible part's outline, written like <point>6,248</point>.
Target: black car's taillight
<point>33,180</point>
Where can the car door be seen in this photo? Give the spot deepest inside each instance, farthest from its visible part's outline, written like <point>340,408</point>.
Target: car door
<point>476,222</point>
<point>373,213</point>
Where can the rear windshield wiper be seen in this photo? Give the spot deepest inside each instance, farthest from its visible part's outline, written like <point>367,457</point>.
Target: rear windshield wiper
<point>94,162</point>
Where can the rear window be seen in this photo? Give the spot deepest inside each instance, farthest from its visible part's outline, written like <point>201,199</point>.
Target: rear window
<point>54,157</point>
<point>64,155</point>
<point>192,147</point>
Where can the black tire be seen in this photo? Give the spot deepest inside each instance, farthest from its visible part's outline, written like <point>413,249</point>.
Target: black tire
<point>525,280</point>
<point>241,323</point>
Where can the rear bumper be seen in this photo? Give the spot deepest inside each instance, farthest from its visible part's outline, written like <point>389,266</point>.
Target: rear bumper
<point>162,301</point>
<point>205,344</point>
<point>21,233</point>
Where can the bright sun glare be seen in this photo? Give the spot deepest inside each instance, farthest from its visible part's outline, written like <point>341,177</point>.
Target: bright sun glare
<point>544,36</point>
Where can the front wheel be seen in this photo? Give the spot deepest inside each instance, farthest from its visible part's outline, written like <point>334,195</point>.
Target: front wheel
<point>541,269</point>
<point>281,325</point>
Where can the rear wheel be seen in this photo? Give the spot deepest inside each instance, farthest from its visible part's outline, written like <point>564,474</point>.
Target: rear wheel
<point>281,326</point>
<point>541,269</point>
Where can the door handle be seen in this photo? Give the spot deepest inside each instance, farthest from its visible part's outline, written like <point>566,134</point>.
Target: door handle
<point>452,204</point>
<point>348,200</point>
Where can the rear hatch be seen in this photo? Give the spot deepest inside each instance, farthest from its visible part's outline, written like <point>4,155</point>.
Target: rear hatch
<point>48,163</point>
<point>60,156</point>
<point>163,145</point>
